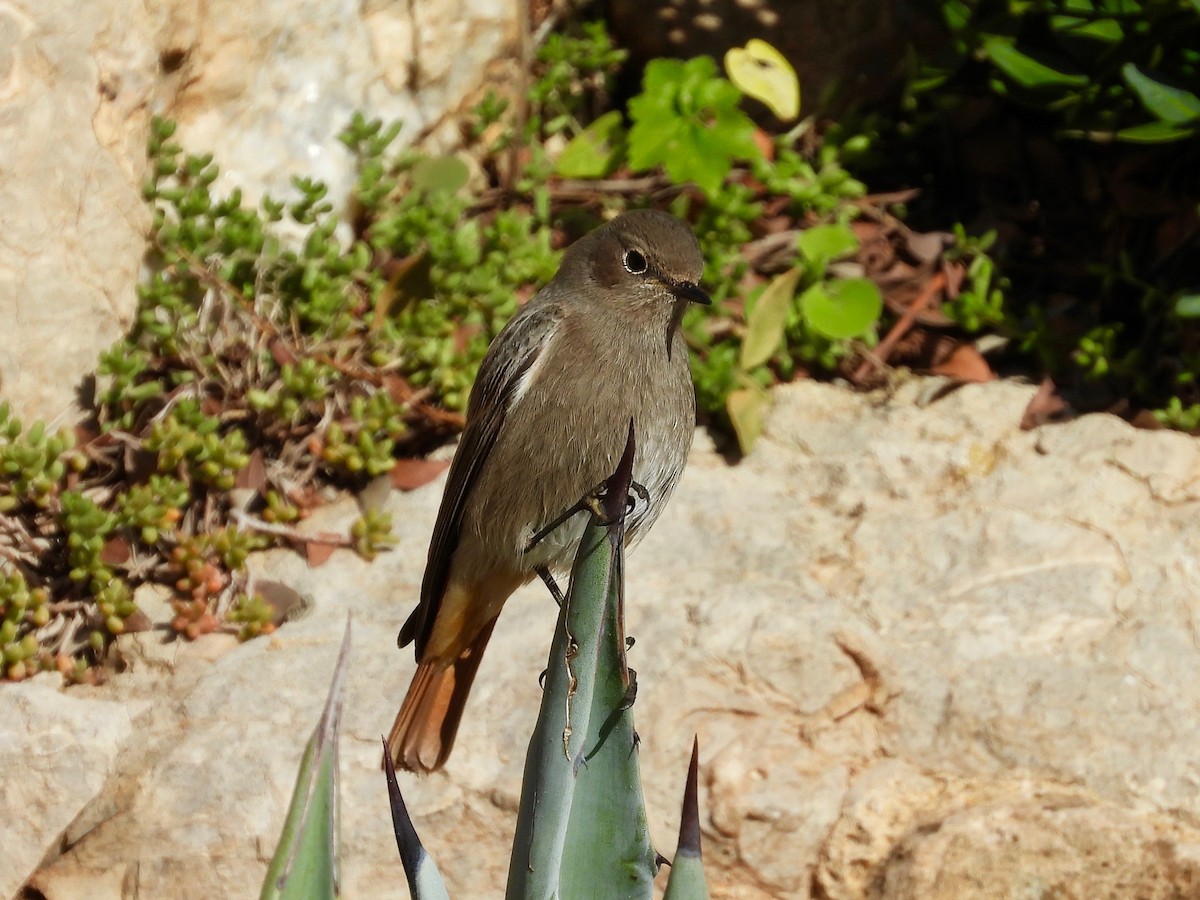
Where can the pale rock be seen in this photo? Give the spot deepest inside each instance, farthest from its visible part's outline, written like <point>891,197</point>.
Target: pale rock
<point>915,643</point>
<point>58,753</point>
<point>263,85</point>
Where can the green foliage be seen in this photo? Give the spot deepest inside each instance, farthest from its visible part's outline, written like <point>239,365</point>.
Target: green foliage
<point>1099,66</point>
<point>687,120</point>
<point>1090,115</point>
<point>805,313</point>
<point>372,533</point>
<point>571,73</point>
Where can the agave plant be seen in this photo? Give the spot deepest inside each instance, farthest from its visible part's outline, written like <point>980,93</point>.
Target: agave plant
<point>582,827</point>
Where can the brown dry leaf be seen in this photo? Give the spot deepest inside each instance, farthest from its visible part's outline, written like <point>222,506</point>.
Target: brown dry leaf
<point>965,363</point>
<point>955,272</point>
<point>410,474</point>
<point>317,552</point>
<point>927,247</point>
<point>115,552</point>
<point>253,475</point>
<point>1043,406</point>
<point>766,146</point>
<point>282,353</point>
<point>1146,420</point>
<point>463,335</point>
<point>138,621</point>
<point>282,599</point>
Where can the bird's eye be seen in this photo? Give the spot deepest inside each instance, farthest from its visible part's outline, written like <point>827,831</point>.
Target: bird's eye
<point>635,263</point>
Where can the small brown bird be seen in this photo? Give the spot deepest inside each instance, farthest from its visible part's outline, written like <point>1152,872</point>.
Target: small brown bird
<point>546,423</point>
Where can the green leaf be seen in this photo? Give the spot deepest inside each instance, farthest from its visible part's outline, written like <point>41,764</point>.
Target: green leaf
<point>822,244</point>
<point>762,72</point>
<point>1154,133</point>
<point>747,409</point>
<point>305,864</point>
<point>1169,104</point>
<point>596,151</point>
<point>439,174</point>
<point>1188,306</point>
<point>842,309</point>
<point>1025,70</point>
<point>764,327</point>
<point>687,120</point>
<point>956,14</point>
<point>1107,31</point>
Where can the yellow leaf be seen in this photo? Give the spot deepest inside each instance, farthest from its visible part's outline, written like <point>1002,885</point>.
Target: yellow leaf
<point>747,408</point>
<point>760,71</point>
<point>764,329</point>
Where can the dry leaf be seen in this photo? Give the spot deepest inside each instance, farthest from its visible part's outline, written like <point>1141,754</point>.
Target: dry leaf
<point>317,552</point>
<point>253,475</point>
<point>283,600</point>
<point>115,552</point>
<point>410,474</point>
<point>965,363</point>
<point>1043,406</point>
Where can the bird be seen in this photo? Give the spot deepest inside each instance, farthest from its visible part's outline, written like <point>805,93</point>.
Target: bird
<point>547,420</point>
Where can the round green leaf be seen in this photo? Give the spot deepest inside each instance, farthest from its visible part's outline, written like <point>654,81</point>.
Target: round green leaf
<point>439,173</point>
<point>823,243</point>
<point>842,309</point>
<point>1188,306</point>
<point>595,151</point>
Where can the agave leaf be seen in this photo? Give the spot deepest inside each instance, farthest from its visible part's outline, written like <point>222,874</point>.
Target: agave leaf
<point>581,827</point>
<point>424,880</point>
<point>687,871</point>
<point>305,864</point>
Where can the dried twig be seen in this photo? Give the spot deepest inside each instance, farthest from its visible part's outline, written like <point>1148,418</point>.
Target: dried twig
<point>877,359</point>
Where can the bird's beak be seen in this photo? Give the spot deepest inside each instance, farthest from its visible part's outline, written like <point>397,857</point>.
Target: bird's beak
<point>690,291</point>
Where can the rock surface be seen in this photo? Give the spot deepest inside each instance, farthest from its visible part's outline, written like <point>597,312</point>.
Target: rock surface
<point>79,81</point>
<point>926,655</point>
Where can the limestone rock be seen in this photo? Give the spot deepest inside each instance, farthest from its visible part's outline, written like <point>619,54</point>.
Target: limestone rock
<point>923,651</point>
<point>58,753</point>
<point>264,85</point>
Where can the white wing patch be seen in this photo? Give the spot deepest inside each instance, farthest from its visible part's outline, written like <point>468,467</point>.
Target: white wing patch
<point>525,382</point>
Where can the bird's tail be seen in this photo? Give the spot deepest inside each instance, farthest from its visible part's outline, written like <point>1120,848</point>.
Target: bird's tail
<point>423,733</point>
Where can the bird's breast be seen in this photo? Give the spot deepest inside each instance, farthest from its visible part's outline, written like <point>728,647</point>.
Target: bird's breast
<point>565,437</point>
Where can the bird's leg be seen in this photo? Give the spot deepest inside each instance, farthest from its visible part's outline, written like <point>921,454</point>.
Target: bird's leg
<point>586,503</point>
<point>551,585</point>
<point>592,503</point>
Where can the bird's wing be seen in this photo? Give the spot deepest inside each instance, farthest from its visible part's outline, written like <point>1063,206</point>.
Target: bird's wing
<point>510,357</point>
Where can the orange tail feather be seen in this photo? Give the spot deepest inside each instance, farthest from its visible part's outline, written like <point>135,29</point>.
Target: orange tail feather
<point>423,733</point>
